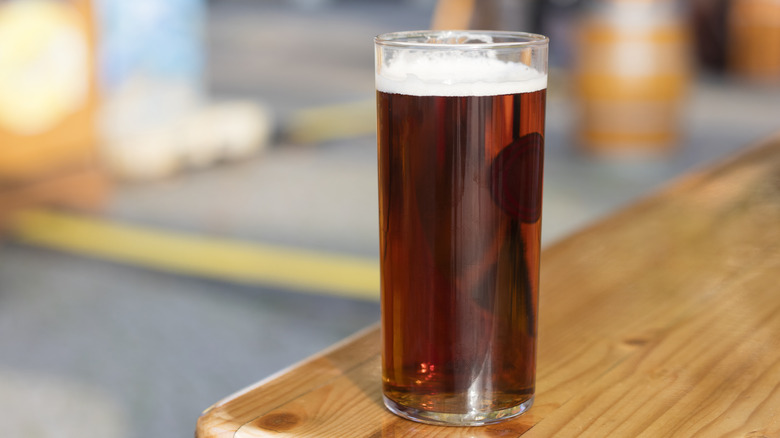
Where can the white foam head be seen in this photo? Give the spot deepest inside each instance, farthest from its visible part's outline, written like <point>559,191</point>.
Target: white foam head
<point>455,73</point>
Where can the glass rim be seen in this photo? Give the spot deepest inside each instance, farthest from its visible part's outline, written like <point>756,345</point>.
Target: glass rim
<point>419,39</point>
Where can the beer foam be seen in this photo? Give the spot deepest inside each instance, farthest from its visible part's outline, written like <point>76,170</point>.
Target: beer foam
<point>459,73</point>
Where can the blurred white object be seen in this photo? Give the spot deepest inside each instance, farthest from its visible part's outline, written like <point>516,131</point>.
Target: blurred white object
<point>155,118</point>
<point>215,133</point>
<point>151,61</point>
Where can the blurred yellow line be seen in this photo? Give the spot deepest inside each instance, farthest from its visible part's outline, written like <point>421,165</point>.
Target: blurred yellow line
<point>333,122</point>
<point>223,259</point>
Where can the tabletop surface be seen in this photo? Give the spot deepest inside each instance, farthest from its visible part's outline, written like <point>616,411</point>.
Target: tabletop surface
<point>660,321</point>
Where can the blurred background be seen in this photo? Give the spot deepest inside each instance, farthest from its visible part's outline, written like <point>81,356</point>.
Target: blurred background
<point>188,198</point>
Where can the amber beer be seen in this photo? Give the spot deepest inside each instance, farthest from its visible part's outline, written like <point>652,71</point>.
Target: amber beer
<point>460,186</point>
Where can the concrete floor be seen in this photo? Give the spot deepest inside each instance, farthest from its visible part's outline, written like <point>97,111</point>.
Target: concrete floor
<point>95,348</point>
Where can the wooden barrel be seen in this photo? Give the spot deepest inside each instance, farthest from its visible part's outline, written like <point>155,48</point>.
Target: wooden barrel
<point>631,72</point>
<point>754,44</point>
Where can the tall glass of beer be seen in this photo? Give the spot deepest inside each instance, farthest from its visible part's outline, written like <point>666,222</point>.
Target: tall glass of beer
<point>460,119</point>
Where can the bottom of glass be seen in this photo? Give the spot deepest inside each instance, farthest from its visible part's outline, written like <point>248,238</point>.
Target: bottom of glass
<point>474,418</point>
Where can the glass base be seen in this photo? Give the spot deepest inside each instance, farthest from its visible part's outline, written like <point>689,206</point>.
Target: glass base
<point>474,418</point>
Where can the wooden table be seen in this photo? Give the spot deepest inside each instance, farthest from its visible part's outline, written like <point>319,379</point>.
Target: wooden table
<point>661,321</point>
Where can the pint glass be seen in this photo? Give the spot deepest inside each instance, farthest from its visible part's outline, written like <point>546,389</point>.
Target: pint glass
<point>460,119</point>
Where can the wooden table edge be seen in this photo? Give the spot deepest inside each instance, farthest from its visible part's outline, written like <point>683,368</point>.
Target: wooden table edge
<point>228,425</point>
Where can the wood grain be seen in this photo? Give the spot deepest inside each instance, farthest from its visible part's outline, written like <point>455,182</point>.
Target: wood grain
<point>660,321</point>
